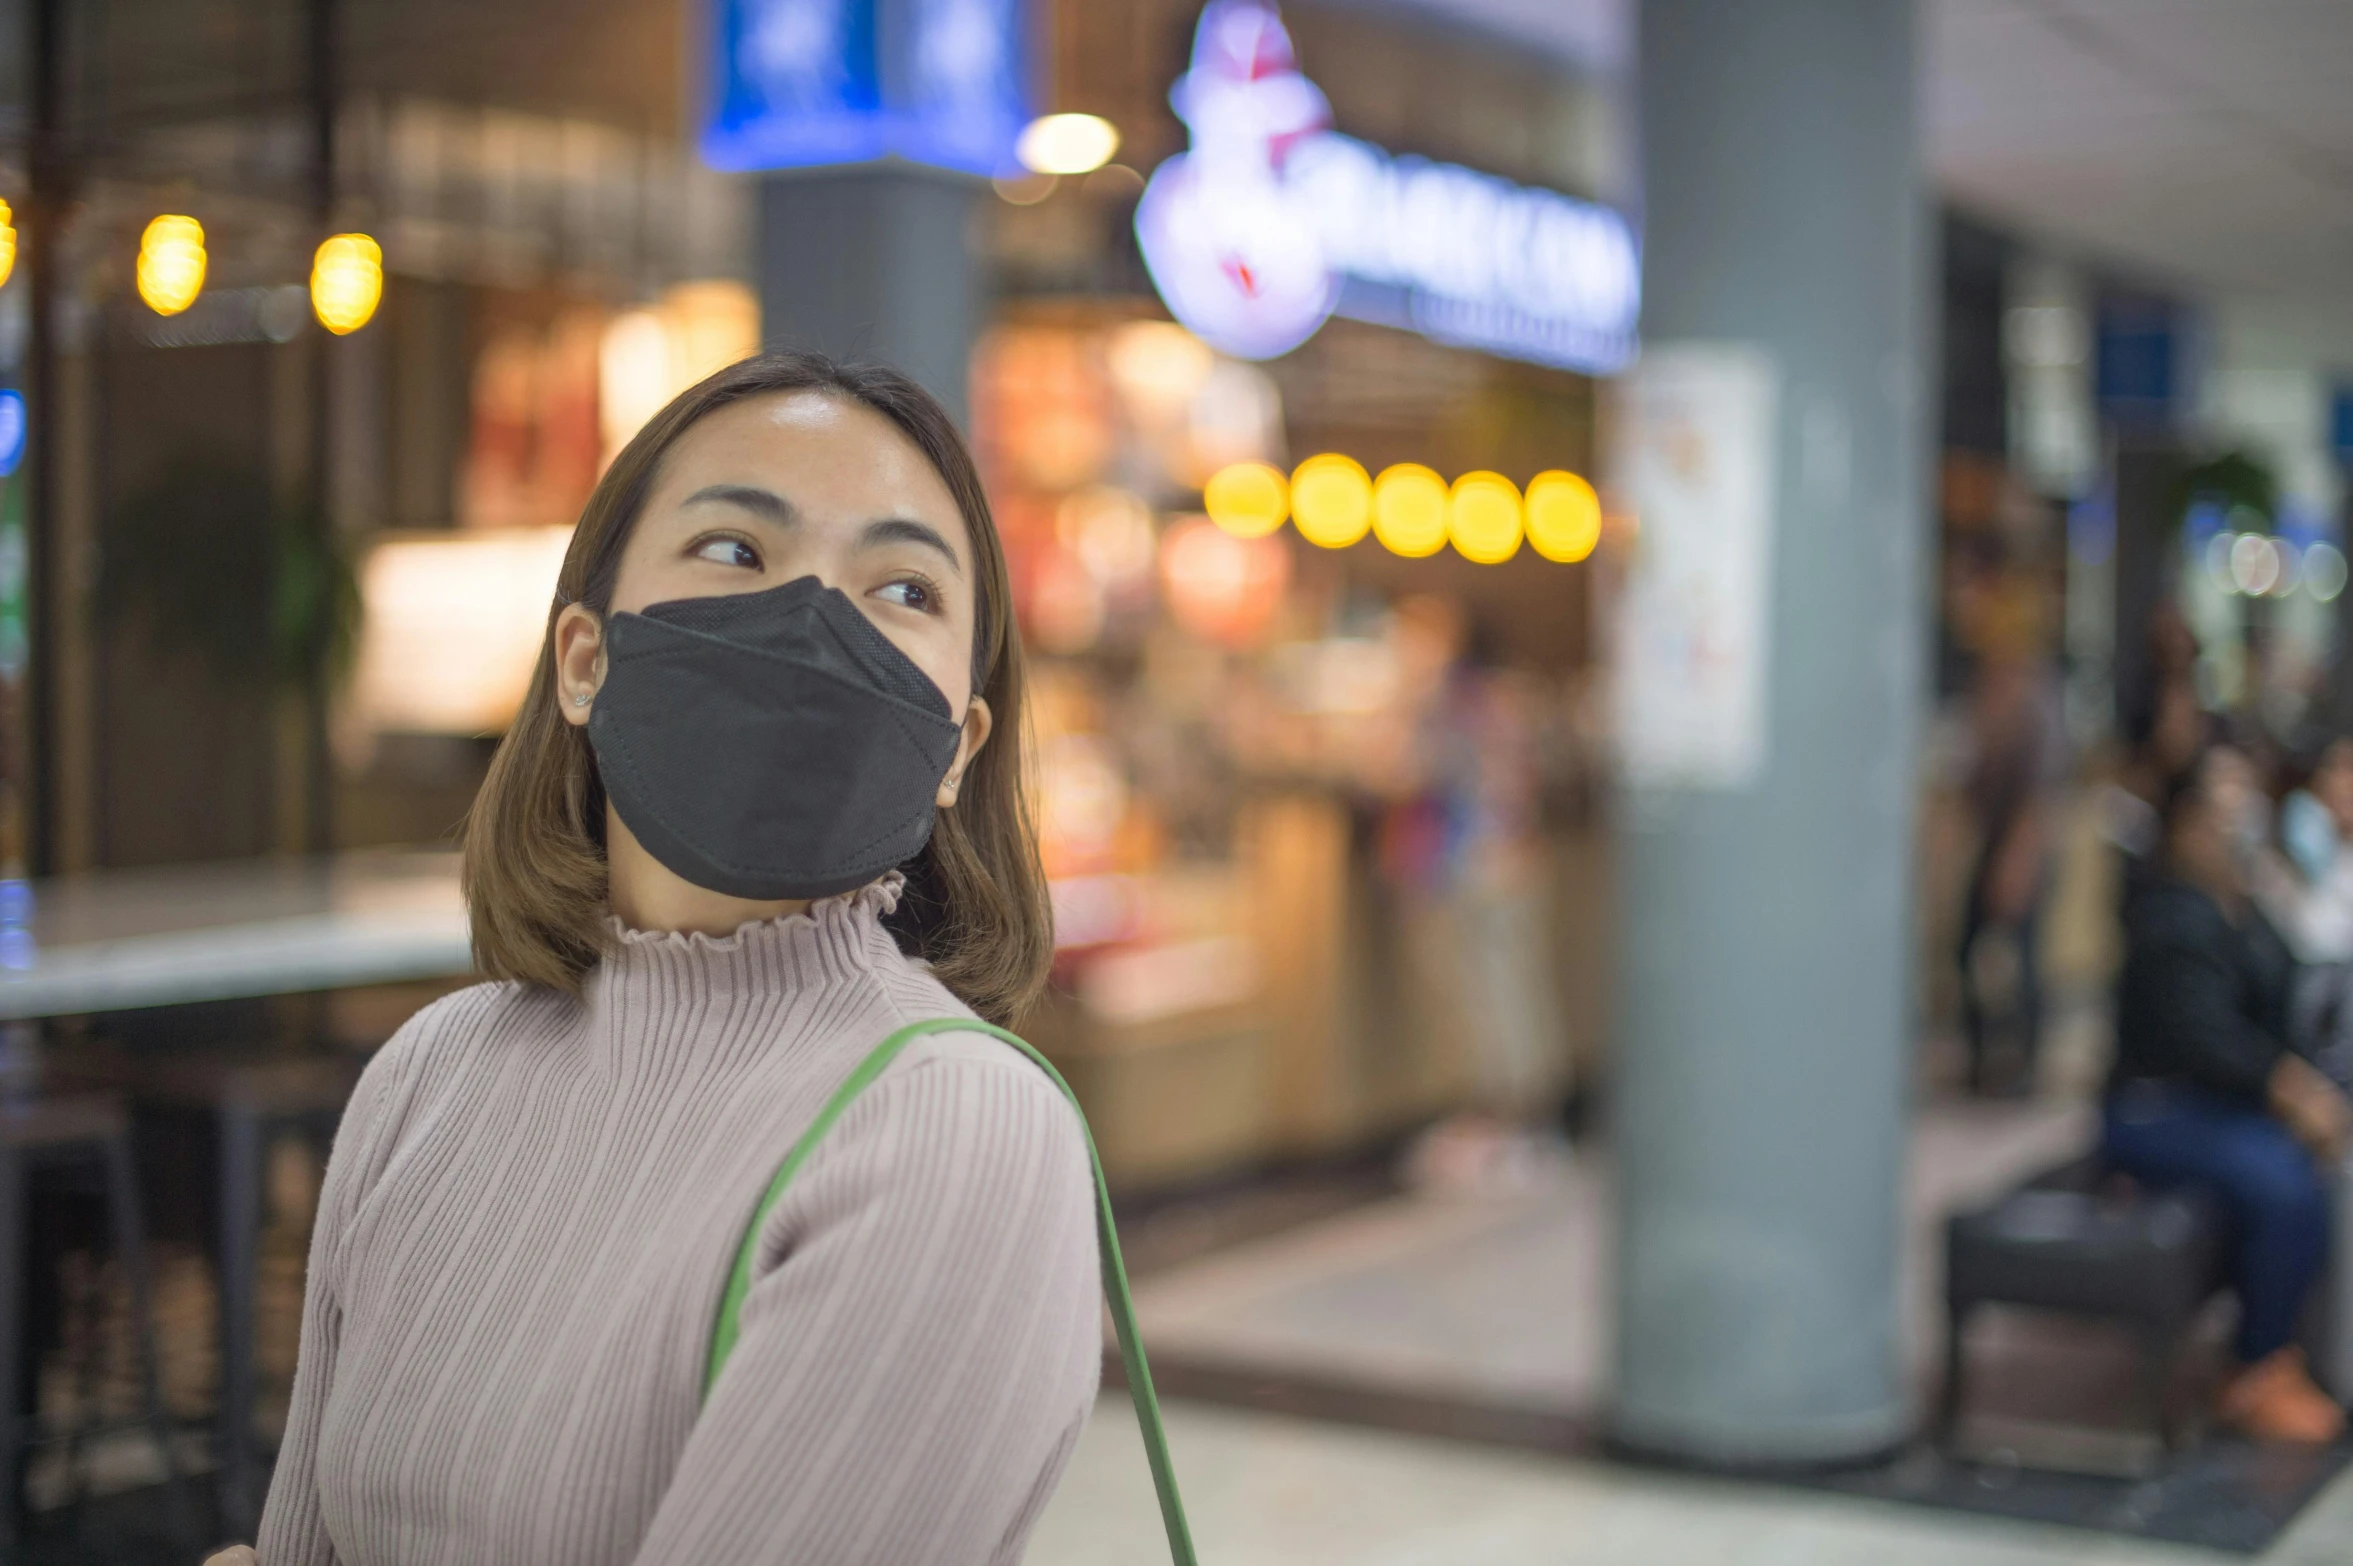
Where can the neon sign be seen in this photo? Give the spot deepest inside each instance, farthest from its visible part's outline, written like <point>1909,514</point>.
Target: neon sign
<point>807,82</point>
<point>12,431</point>
<point>1273,222</point>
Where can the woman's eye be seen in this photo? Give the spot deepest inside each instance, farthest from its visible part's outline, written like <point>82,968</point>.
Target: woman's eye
<point>728,552</point>
<point>915,595</point>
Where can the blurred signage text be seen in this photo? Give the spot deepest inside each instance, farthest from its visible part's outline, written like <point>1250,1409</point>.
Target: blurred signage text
<point>1273,222</point>
<point>799,83</point>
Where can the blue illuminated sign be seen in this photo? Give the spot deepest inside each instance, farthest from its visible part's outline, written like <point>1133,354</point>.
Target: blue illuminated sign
<point>2135,369</point>
<point>800,83</point>
<point>1273,222</point>
<point>12,431</point>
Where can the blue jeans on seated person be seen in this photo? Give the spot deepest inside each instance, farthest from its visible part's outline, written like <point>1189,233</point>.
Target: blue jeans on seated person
<point>2166,1134</point>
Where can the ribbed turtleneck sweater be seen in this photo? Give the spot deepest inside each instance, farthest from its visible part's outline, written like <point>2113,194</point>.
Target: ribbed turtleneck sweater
<point>529,1216</point>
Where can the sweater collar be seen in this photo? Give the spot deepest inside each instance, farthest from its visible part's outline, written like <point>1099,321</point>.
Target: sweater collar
<point>839,939</point>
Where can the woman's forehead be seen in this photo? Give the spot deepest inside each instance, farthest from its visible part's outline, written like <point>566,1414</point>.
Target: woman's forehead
<point>813,434</point>
<point>831,460</point>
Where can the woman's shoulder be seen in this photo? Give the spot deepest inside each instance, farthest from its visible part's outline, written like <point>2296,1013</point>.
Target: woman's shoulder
<point>961,1131</point>
<point>970,1070</point>
<point>971,1058</point>
<point>447,1028</point>
<point>416,1072</point>
<point>437,1041</point>
<point>971,1103</point>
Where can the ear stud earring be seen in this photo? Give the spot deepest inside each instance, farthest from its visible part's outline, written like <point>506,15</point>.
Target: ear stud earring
<point>580,699</point>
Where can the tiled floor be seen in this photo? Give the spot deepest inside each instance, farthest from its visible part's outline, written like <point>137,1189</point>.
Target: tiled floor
<point>1267,1491</point>
<point>1263,1490</point>
<point>1506,1299</point>
<point>1488,1318</point>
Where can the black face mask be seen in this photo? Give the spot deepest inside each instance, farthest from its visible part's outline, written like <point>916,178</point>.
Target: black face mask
<point>769,745</point>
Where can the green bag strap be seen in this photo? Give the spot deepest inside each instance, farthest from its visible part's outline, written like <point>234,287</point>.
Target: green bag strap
<point>1115,1287</point>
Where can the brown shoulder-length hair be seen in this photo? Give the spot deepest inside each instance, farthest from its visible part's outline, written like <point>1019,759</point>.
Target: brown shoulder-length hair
<point>975,903</point>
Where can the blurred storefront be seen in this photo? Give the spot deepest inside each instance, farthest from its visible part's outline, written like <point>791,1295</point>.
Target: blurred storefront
<point>1317,794</point>
<point>1319,776</point>
<point>250,505</point>
<point>1320,815</point>
<point>1319,819</point>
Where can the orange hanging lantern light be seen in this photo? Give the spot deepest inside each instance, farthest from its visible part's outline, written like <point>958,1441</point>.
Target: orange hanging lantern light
<point>171,263</point>
<point>346,282</point>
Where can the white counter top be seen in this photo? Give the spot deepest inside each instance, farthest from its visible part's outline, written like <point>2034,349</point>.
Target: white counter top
<point>117,939</point>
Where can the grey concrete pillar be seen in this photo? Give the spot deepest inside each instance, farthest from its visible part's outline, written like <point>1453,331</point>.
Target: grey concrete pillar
<point>1765,1029</point>
<point>873,264</point>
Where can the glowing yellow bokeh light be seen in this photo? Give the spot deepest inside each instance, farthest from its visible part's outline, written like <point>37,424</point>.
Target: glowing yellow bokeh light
<point>1483,518</point>
<point>346,281</point>
<point>1564,516</point>
<point>171,264</point>
<point>1066,143</point>
<point>1247,499</point>
<point>1409,510</point>
<point>1331,500</point>
<point>7,241</point>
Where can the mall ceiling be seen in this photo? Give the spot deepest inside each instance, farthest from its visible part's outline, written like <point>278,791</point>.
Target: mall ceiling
<point>2209,143</point>
<point>2200,142</point>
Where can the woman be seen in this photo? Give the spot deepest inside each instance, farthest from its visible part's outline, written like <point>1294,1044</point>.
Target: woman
<point>781,666</point>
<point>2206,1091</point>
<point>2306,890</point>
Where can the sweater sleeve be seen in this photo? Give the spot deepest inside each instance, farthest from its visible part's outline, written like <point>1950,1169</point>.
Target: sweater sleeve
<point>922,1344</point>
<point>293,1533</point>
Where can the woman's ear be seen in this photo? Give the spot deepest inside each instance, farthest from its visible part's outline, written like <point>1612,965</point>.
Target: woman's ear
<point>580,661</point>
<point>978,720</point>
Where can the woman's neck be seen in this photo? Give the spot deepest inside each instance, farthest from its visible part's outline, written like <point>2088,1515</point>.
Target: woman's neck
<point>646,894</point>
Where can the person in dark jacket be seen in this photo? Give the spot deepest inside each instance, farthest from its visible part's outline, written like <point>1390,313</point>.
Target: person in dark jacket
<point>2206,1091</point>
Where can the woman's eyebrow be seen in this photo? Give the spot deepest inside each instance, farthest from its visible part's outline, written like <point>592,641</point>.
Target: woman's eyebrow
<point>906,530</point>
<point>750,497</point>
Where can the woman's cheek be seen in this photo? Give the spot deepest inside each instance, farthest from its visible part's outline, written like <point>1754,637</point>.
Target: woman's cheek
<point>938,659</point>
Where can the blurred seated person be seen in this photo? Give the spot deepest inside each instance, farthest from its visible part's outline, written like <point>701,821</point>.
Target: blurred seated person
<point>2306,890</point>
<point>2207,1092</point>
<point>2313,818</point>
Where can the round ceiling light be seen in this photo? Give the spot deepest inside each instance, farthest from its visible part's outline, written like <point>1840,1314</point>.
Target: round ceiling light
<point>1066,143</point>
